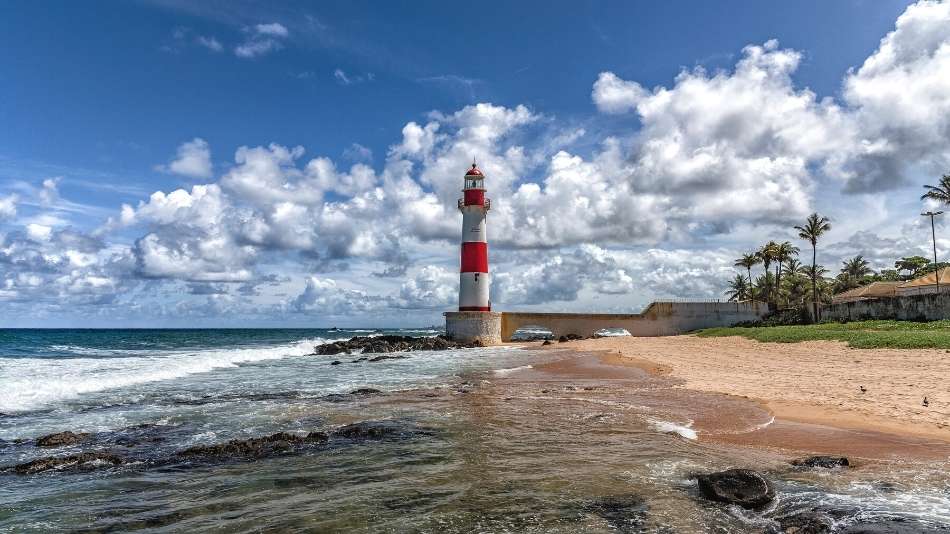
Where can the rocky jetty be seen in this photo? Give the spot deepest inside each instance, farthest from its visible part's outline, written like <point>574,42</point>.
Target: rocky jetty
<point>389,344</point>
<point>825,462</point>
<point>742,487</point>
<point>60,439</point>
<point>73,462</point>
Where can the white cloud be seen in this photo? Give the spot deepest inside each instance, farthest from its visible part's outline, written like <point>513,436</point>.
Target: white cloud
<point>193,159</point>
<point>613,95</point>
<point>901,95</point>
<point>8,205</point>
<point>343,78</point>
<point>210,42</point>
<point>261,40</point>
<point>274,28</point>
<point>49,194</point>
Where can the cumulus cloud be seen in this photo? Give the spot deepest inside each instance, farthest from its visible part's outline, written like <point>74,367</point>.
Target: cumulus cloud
<point>261,40</point>
<point>901,98</point>
<point>193,159</point>
<point>613,95</point>
<point>49,193</point>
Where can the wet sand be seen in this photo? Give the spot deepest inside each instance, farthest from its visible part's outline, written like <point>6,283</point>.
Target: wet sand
<point>802,390</point>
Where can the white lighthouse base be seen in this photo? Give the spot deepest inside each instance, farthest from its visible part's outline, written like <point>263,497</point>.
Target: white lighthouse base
<point>466,327</point>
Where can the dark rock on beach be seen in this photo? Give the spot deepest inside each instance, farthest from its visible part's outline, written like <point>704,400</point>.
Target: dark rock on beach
<point>825,462</point>
<point>742,487</point>
<point>803,523</point>
<point>73,462</point>
<point>624,513</point>
<point>376,430</point>
<point>569,337</point>
<point>389,344</point>
<point>61,438</point>
<point>255,447</point>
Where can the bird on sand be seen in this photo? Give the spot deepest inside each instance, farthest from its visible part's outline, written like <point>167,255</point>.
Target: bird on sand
<point>926,402</point>
<point>863,389</point>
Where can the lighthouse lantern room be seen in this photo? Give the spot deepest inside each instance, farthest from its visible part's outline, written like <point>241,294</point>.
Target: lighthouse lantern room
<point>474,278</point>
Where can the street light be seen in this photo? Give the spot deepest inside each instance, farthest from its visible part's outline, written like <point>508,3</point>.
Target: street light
<point>933,234</point>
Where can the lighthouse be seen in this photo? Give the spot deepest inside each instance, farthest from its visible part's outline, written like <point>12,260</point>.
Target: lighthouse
<point>474,279</point>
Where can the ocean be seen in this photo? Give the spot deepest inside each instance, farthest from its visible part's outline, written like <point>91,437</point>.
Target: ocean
<point>484,442</point>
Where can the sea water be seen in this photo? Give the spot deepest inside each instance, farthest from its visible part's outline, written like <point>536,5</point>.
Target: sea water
<point>499,454</point>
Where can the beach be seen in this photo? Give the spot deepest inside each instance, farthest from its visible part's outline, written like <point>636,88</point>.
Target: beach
<point>249,430</point>
<point>816,382</point>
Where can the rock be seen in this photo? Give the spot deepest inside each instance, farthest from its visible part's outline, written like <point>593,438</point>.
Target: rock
<point>335,362</point>
<point>73,462</point>
<point>365,392</point>
<point>562,339</point>
<point>625,513</point>
<point>61,438</point>
<point>803,523</point>
<point>387,344</point>
<point>826,462</point>
<point>742,487</point>
<point>374,431</point>
<point>254,447</point>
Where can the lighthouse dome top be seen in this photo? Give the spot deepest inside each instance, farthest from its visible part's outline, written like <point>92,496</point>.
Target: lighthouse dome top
<point>474,171</point>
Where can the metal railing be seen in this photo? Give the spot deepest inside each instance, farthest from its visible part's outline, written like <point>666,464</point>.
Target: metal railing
<point>486,203</point>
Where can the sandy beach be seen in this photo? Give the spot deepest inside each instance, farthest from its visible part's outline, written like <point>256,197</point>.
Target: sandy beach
<point>815,382</point>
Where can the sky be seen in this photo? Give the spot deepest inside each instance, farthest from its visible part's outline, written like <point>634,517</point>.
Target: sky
<point>264,164</point>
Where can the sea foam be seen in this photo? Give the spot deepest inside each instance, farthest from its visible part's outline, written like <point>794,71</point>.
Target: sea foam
<point>34,383</point>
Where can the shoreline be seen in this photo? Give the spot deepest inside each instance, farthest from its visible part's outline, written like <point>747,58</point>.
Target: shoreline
<point>820,415</point>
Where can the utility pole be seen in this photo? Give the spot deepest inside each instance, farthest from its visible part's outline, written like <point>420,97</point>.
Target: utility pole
<point>933,234</point>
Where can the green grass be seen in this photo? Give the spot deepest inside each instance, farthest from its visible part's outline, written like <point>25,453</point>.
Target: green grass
<point>860,334</point>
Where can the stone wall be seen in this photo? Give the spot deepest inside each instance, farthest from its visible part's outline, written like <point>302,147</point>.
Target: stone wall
<point>658,319</point>
<point>926,307</point>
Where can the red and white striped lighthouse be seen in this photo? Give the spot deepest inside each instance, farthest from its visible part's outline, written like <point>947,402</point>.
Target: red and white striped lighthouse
<point>474,281</point>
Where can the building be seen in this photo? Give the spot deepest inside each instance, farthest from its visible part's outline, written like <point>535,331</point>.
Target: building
<point>926,284</point>
<point>874,290</point>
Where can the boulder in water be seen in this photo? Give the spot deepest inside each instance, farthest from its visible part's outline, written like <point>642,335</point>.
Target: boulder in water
<point>73,462</point>
<point>826,462</point>
<point>364,392</point>
<point>61,438</point>
<point>742,487</point>
<point>375,431</point>
<point>803,523</point>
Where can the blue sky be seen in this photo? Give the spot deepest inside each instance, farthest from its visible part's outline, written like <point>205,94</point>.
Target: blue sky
<point>669,137</point>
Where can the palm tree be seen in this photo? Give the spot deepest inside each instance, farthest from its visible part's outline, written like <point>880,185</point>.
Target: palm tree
<point>748,261</point>
<point>857,268</point>
<point>783,253</point>
<point>737,289</point>
<point>815,226</point>
<point>767,255</point>
<point>793,266</point>
<point>940,193</point>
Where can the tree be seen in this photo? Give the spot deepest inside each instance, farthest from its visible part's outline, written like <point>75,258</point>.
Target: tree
<point>783,252</point>
<point>915,265</point>
<point>738,289</point>
<point>748,261</point>
<point>940,193</point>
<point>768,254</point>
<point>854,273</point>
<point>815,226</point>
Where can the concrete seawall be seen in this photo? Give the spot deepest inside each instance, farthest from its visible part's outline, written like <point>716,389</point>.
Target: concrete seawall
<point>658,319</point>
<point>925,307</point>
